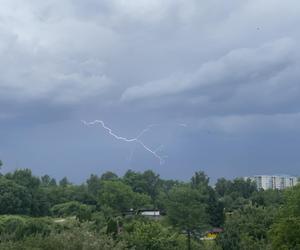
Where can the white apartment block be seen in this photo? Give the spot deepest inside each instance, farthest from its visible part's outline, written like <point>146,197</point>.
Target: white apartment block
<point>274,181</point>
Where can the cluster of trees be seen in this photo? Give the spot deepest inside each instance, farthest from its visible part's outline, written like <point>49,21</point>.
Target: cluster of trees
<point>41,213</point>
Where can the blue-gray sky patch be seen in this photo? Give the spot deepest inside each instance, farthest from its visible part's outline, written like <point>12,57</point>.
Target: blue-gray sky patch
<point>229,72</point>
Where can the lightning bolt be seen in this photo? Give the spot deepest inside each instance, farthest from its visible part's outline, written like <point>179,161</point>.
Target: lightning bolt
<point>136,139</point>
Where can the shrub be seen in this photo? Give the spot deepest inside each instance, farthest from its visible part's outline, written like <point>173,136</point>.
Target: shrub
<point>73,208</point>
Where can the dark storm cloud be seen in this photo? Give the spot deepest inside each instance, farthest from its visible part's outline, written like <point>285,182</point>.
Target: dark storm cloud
<point>224,69</point>
<point>252,68</point>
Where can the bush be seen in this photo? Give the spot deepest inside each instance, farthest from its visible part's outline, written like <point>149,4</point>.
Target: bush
<point>73,208</point>
<point>75,239</point>
<point>151,235</point>
<point>12,227</point>
<point>18,227</point>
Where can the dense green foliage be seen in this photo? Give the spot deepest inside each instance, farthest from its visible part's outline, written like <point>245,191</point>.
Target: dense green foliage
<point>247,228</point>
<point>152,235</point>
<point>103,213</point>
<point>285,233</point>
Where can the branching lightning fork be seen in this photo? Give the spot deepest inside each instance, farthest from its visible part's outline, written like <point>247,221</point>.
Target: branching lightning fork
<point>136,139</point>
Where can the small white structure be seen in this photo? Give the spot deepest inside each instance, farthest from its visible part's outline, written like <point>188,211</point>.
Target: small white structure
<point>150,213</point>
<point>274,181</point>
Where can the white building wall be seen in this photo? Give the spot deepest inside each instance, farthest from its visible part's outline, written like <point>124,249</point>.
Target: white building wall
<point>150,213</point>
<point>274,181</point>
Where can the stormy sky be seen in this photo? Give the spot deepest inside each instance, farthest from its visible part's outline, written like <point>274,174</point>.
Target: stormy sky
<point>219,79</point>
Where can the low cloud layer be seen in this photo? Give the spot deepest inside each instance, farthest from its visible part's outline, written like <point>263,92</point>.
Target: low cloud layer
<point>241,68</point>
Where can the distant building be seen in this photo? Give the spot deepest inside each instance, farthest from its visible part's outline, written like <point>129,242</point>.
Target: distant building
<point>152,214</point>
<point>149,213</point>
<point>274,181</point>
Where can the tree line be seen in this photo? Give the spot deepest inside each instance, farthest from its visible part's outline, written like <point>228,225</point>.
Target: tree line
<point>40,212</point>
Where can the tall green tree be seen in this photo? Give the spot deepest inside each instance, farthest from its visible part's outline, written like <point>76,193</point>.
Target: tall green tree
<point>120,197</point>
<point>14,198</point>
<point>244,188</point>
<point>40,204</point>
<point>235,194</point>
<point>247,228</point>
<point>223,187</point>
<point>267,198</point>
<point>64,182</point>
<point>24,177</point>
<point>286,231</point>
<point>200,182</point>
<point>187,211</point>
<point>147,182</point>
<point>109,176</point>
<point>94,185</point>
<point>45,179</point>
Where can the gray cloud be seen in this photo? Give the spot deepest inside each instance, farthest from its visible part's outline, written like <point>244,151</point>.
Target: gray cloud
<point>249,124</point>
<point>238,67</point>
<point>230,68</point>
